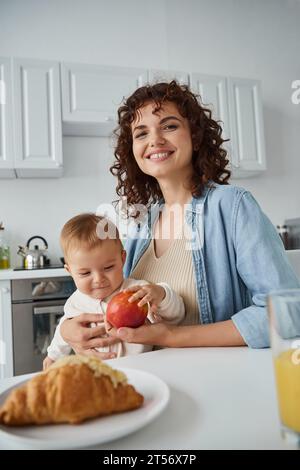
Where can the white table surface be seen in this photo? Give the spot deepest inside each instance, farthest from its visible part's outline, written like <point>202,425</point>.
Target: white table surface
<point>221,398</point>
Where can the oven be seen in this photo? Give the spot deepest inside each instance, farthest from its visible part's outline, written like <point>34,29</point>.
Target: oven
<point>37,305</point>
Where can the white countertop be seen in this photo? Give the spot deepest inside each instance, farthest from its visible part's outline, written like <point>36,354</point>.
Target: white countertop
<point>9,274</point>
<point>221,398</point>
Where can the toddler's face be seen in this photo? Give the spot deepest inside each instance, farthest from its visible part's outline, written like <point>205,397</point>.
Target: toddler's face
<point>97,272</point>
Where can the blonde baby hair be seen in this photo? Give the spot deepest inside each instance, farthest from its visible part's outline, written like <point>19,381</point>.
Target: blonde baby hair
<point>87,230</point>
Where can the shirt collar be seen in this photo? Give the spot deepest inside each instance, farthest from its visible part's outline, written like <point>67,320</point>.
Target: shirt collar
<point>195,206</point>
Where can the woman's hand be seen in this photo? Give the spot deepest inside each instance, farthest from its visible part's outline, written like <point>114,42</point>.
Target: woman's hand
<point>83,339</point>
<point>155,334</point>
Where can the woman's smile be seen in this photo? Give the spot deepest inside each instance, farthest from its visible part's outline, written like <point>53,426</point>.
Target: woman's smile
<point>159,156</point>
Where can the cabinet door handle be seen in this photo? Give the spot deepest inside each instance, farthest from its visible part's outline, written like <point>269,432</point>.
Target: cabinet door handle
<point>109,118</point>
<point>5,290</point>
<point>58,310</point>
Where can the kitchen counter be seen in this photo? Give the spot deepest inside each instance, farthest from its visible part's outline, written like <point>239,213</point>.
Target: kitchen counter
<point>221,398</point>
<point>10,274</point>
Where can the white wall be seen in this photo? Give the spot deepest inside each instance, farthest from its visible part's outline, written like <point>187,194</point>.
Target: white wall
<point>256,39</point>
<point>245,38</point>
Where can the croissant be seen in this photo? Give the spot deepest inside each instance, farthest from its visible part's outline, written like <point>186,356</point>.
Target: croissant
<point>72,390</point>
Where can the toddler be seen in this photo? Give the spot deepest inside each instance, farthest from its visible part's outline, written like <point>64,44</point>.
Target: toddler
<point>96,266</point>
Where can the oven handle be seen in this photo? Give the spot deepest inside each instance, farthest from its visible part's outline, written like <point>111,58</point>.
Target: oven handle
<point>55,309</point>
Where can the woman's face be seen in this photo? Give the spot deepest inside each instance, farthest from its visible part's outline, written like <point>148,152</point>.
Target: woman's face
<point>162,143</point>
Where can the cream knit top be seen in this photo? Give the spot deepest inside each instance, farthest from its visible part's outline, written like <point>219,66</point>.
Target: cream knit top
<point>175,267</point>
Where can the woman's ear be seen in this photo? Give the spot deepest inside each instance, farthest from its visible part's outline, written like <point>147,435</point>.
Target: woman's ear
<point>123,255</point>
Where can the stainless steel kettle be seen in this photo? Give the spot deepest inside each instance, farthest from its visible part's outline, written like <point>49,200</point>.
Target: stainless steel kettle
<point>34,258</point>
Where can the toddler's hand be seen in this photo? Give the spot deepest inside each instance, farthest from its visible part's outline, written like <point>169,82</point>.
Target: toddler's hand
<point>47,363</point>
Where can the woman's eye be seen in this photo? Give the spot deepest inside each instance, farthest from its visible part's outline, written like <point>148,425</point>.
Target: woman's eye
<point>170,127</point>
<point>139,135</point>
<point>84,274</point>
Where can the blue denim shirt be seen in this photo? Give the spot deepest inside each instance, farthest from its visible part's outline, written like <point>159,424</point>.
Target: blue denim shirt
<point>240,261</point>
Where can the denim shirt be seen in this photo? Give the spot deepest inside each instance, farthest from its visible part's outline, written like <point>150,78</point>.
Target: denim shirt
<point>240,259</point>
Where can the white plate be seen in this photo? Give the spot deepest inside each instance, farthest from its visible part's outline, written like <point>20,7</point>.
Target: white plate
<point>96,431</point>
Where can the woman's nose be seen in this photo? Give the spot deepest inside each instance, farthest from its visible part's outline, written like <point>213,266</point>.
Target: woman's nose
<point>156,138</point>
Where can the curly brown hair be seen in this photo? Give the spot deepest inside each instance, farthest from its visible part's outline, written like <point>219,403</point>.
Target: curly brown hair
<point>209,159</point>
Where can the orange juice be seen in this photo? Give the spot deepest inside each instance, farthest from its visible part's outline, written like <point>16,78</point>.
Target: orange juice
<point>287,371</point>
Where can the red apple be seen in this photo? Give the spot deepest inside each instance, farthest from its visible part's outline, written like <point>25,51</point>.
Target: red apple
<point>120,312</point>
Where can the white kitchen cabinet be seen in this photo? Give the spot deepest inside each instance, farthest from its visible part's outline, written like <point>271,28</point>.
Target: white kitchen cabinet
<point>31,122</point>
<point>294,259</point>
<point>238,104</point>
<point>91,95</point>
<point>6,350</point>
<point>157,75</point>
<point>6,121</point>
<point>247,127</point>
<point>37,118</point>
<point>213,93</point>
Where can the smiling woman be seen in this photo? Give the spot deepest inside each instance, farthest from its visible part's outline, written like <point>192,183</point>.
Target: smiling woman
<point>168,118</point>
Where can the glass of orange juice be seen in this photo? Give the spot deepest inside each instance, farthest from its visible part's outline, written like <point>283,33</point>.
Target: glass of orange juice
<point>284,314</point>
